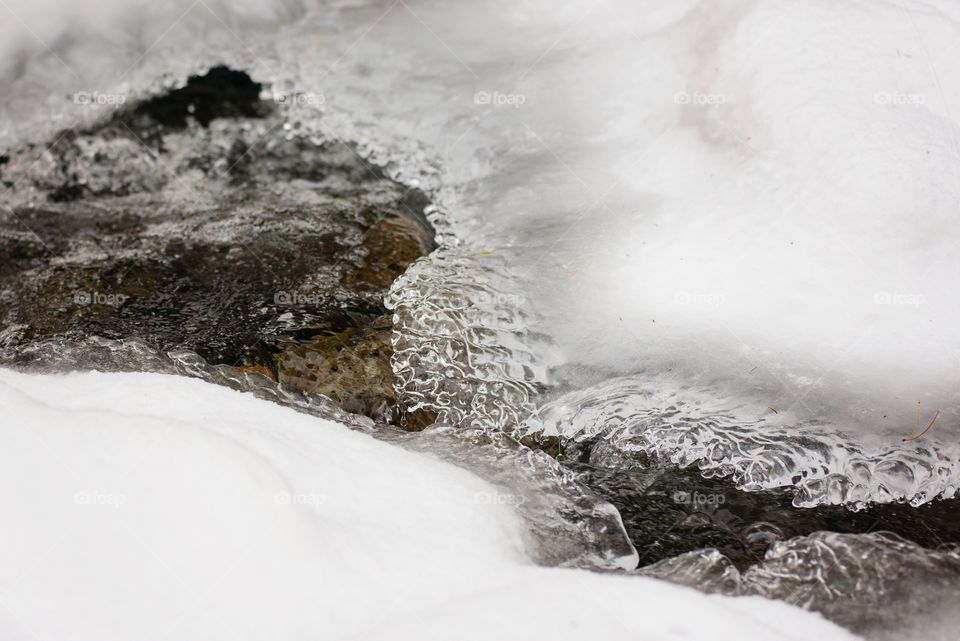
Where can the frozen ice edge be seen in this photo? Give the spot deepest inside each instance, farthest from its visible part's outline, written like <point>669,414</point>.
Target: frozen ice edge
<point>689,427</point>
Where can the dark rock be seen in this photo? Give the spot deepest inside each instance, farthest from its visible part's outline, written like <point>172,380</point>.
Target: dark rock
<point>351,367</point>
<point>241,243</point>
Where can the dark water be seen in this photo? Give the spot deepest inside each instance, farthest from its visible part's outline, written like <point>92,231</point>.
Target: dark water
<point>668,512</point>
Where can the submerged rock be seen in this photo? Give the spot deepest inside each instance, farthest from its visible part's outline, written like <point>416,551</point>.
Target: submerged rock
<point>351,367</point>
<point>195,220</point>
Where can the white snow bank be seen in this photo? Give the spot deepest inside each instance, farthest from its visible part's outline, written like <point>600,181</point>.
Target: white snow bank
<point>151,506</point>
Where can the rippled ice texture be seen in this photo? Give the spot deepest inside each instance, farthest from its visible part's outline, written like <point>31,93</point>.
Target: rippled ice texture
<point>677,423</point>
<point>756,199</point>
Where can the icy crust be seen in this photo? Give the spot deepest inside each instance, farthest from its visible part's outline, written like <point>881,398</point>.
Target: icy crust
<point>567,524</point>
<point>706,570</point>
<point>874,584</point>
<point>687,426</point>
<point>134,355</point>
<point>462,343</point>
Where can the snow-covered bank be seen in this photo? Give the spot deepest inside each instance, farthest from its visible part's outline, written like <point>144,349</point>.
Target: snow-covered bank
<point>758,199</point>
<point>152,506</point>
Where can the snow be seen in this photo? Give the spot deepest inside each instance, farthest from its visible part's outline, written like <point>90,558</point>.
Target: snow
<point>781,192</point>
<point>154,506</point>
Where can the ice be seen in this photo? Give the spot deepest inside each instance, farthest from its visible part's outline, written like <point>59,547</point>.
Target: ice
<point>744,200</point>
<point>634,415</point>
<point>883,586</point>
<point>753,196</point>
<point>718,232</point>
<point>462,346</point>
<point>160,506</point>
